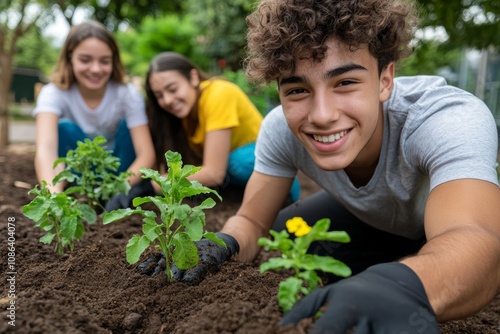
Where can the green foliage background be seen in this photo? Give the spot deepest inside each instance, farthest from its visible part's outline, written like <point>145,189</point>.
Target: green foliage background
<point>207,31</point>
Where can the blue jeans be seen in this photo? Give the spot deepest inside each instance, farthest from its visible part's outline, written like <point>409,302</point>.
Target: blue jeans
<point>70,133</point>
<point>240,167</point>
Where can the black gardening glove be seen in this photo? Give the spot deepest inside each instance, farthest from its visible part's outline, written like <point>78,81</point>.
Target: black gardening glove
<point>385,298</point>
<point>211,256</point>
<point>122,201</point>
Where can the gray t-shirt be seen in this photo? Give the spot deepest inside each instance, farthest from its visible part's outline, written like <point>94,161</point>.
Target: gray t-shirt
<point>120,101</point>
<point>433,133</point>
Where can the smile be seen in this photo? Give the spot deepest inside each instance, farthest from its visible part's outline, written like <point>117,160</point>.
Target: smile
<point>331,138</point>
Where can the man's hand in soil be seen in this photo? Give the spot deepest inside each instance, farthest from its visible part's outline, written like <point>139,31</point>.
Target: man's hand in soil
<point>385,298</point>
<point>122,201</point>
<point>212,256</point>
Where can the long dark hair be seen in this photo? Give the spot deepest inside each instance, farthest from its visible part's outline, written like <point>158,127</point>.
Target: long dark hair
<point>167,130</point>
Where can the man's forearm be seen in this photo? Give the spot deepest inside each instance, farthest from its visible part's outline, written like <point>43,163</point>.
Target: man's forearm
<point>246,234</point>
<point>460,270</point>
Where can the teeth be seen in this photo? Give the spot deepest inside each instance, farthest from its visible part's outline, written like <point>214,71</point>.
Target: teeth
<point>330,138</point>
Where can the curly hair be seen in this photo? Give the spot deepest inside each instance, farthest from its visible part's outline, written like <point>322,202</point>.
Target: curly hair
<point>282,30</point>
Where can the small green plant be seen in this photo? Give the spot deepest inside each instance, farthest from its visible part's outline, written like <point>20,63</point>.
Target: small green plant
<point>294,257</point>
<point>180,225</point>
<point>59,215</point>
<point>93,170</point>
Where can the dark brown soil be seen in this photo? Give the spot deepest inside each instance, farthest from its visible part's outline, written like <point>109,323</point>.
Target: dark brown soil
<point>94,289</point>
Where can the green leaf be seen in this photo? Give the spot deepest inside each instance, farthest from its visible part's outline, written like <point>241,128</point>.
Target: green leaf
<point>98,140</point>
<point>115,215</point>
<point>194,229</point>
<point>213,237</point>
<point>276,263</point>
<point>173,157</point>
<point>45,225</point>
<point>36,209</point>
<point>311,278</point>
<point>47,238</point>
<point>208,203</point>
<point>181,212</point>
<point>138,201</point>
<point>151,174</point>
<point>65,175</point>
<point>288,293</point>
<point>174,164</point>
<point>189,170</point>
<point>281,241</point>
<point>87,213</point>
<point>315,234</point>
<point>319,232</point>
<point>135,247</point>
<point>66,242</point>
<point>326,264</point>
<point>68,226</point>
<point>337,236</point>
<point>185,254</point>
<point>73,190</point>
<point>196,189</point>
<point>80,230</point>
<point>150,229</point>
<point>122,186</point>
<point>322,225</point>
<point>58,161</point>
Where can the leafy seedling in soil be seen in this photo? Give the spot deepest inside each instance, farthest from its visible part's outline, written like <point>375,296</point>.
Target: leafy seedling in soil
<point>59,215</point>
<point>92,170</point>
<point>180,226</point>
<point>294,257</point>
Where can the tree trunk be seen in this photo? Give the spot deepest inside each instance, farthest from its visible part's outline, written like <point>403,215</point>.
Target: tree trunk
<point>6,76</point>
<point>4,130</point>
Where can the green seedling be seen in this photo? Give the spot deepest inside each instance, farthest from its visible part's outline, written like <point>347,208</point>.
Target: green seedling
<point>294,257</point>
<point>93,171</point>
<point>59,215</point>
<point>180,225</point>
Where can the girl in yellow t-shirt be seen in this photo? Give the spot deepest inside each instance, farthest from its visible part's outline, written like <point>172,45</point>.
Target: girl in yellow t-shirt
<point>210,121</point>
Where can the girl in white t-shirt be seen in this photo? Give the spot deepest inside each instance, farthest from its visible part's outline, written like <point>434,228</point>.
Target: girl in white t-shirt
<point>88,97</point>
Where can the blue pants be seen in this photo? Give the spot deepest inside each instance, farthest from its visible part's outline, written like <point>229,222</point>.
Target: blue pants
<point>240,167</point>
<point>70,133</point>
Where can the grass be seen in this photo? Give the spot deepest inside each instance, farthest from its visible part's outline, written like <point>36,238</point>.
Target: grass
<point>21,111</point>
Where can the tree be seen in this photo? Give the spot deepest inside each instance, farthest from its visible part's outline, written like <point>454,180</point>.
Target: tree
<point>36,51</point>
<point>113,13</point>
<point>428,58</point>
<point>17,18</point>
<point>468,23</point>
<point>224,28</point>
<point>68,8</point>
<point>152,36</point>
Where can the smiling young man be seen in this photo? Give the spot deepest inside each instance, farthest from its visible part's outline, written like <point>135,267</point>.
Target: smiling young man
<point>407,166</point>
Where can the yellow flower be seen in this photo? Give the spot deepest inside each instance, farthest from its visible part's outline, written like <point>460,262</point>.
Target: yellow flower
<point>298,226</point>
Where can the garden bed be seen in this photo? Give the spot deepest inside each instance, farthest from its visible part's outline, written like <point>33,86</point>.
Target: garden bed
<point>94,290</point>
